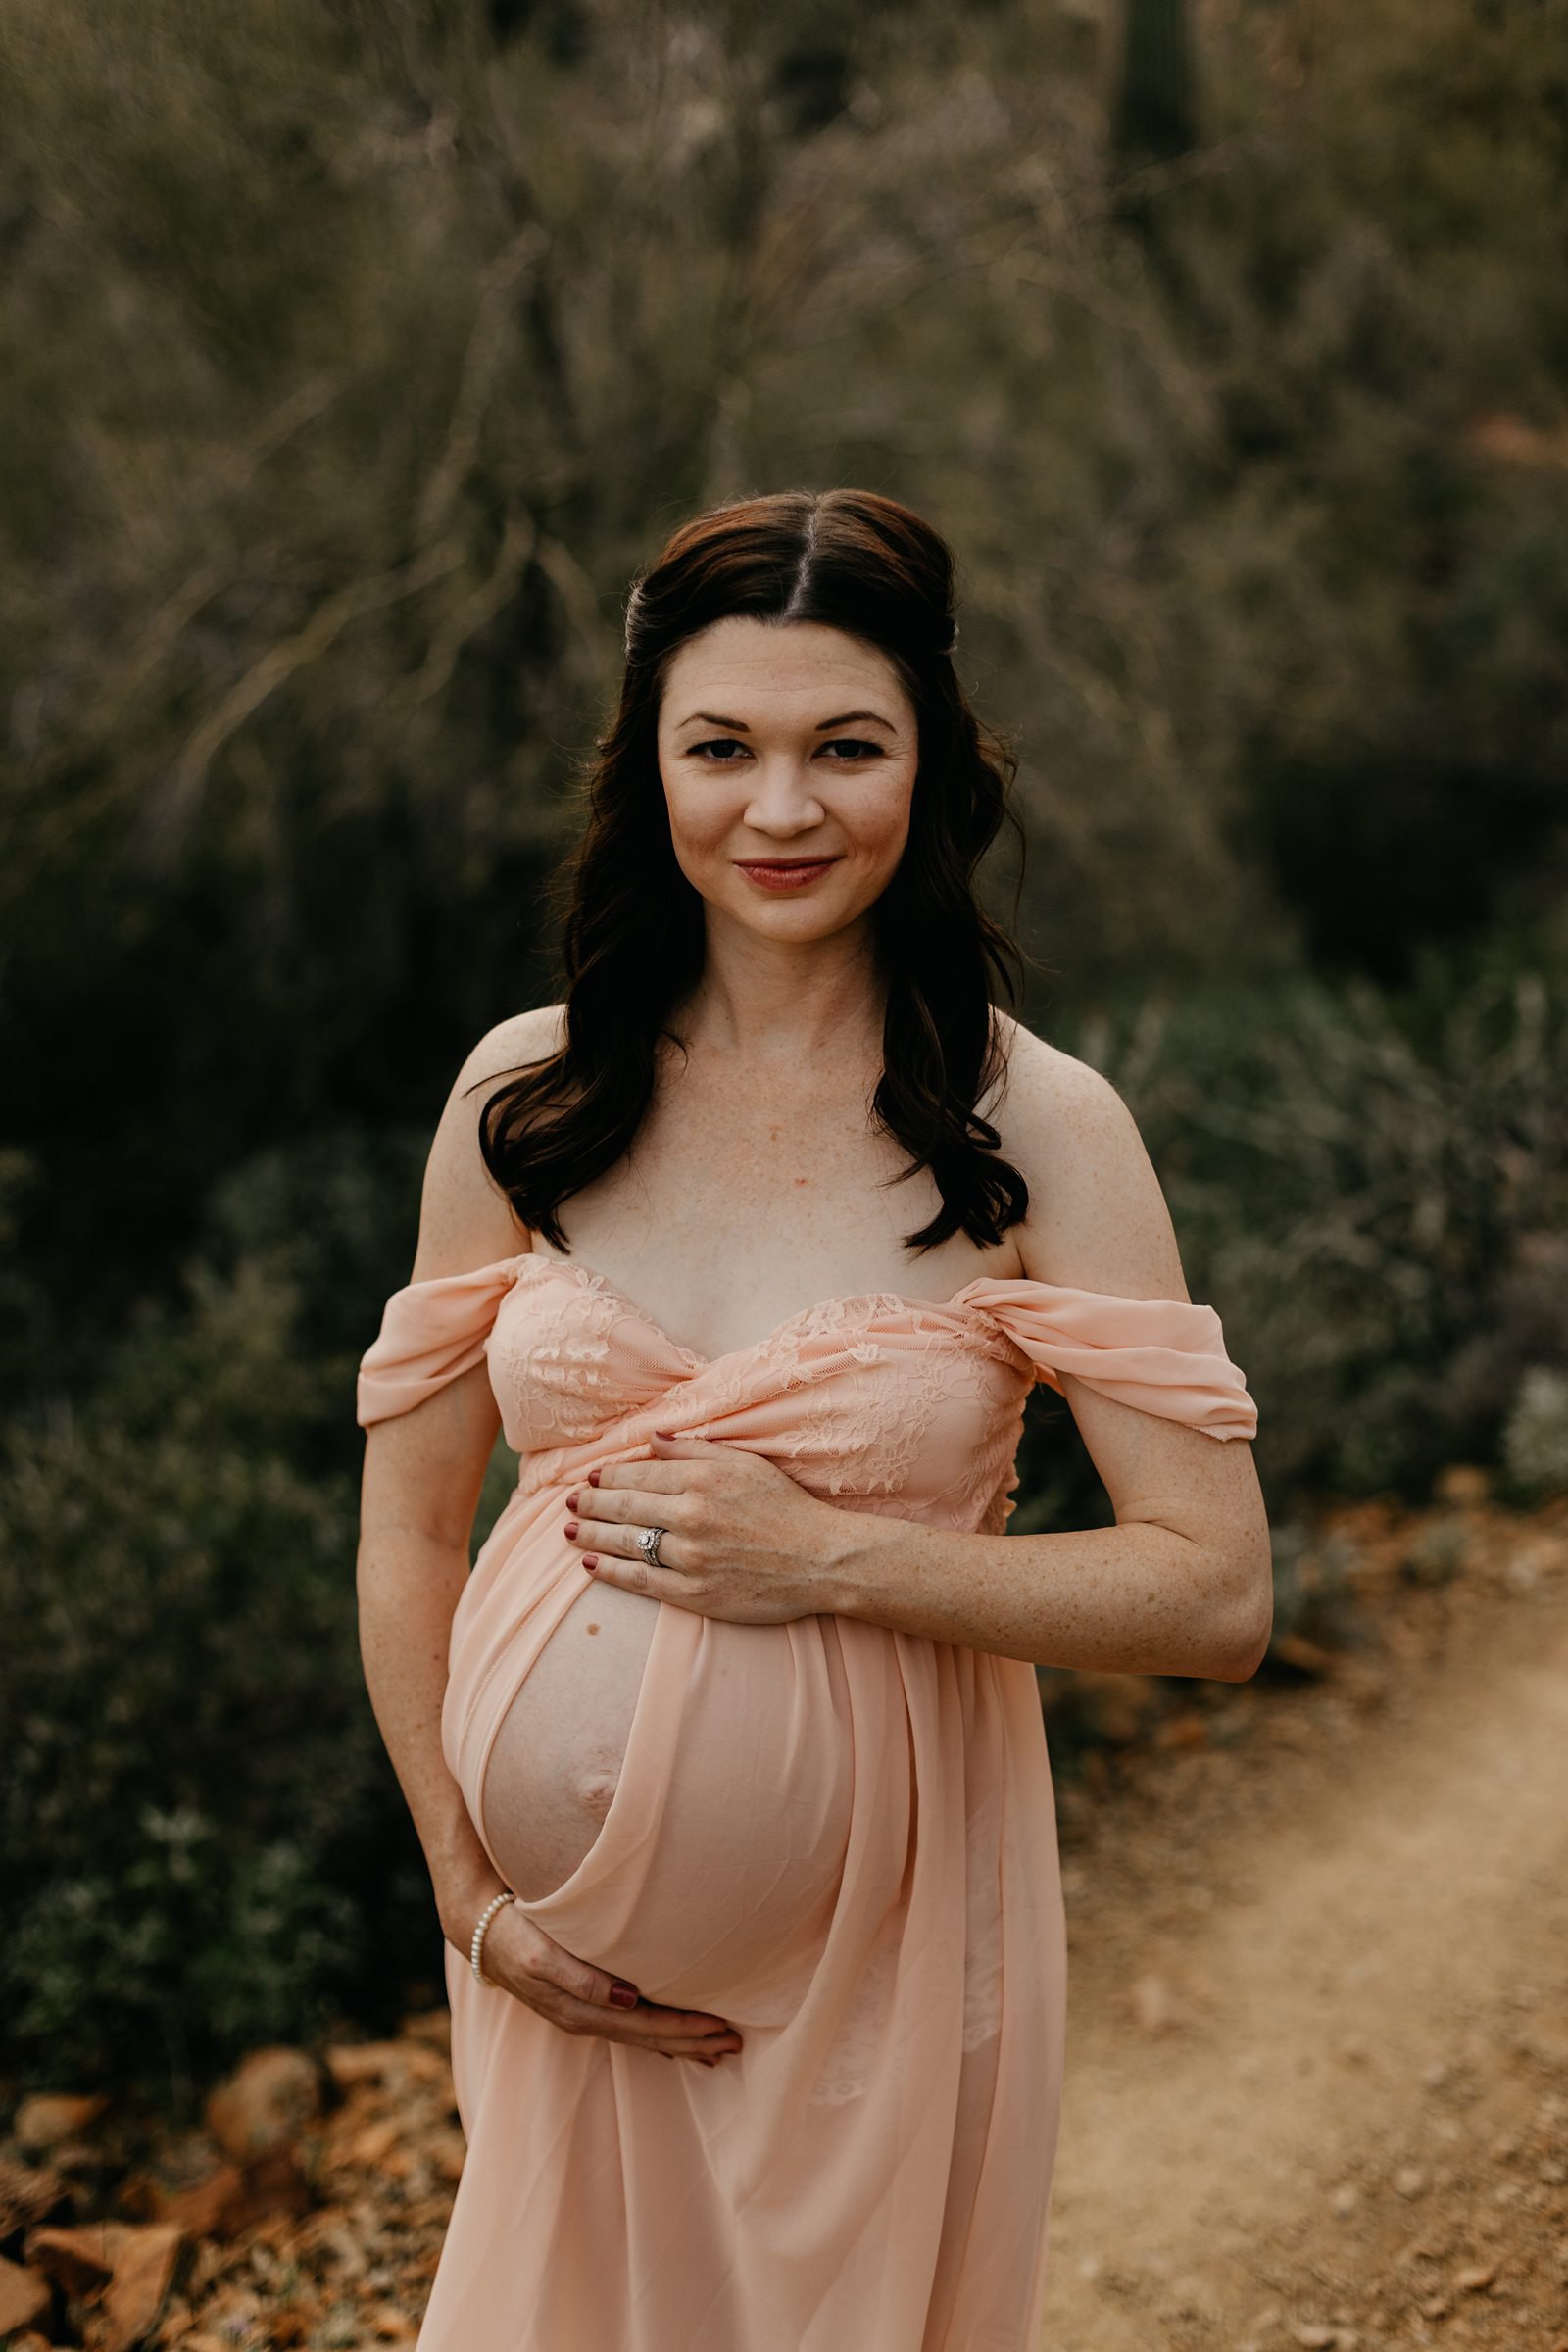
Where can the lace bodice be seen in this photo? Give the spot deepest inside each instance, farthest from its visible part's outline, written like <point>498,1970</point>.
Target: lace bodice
<point>895,1403</point>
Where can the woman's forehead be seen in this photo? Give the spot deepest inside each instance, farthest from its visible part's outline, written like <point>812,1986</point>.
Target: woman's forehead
<point>776,666</point>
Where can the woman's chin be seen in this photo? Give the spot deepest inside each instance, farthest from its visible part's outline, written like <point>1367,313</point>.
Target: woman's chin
<point>820,910</point>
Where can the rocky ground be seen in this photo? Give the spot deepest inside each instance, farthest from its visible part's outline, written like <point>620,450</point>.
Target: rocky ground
<point>1318,2034</point>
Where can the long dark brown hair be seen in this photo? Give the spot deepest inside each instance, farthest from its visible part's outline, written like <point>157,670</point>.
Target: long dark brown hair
<point>632,941</point>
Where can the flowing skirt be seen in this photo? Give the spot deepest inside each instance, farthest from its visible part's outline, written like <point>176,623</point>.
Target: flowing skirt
<point>842,1839</point>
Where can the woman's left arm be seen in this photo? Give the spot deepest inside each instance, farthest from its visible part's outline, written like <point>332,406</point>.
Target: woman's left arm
<point>1181,1584</point>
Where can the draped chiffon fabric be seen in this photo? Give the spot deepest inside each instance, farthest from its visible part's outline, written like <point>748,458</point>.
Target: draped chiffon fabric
<point>840,1837</point>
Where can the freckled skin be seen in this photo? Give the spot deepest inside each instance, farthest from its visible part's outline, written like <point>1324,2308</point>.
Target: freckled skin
<point>758,1185</point>
<point>711,1228</point>
<point>754,1189</point>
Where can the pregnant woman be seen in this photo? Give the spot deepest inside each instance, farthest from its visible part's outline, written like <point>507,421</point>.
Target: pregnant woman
<point>728,1756</point>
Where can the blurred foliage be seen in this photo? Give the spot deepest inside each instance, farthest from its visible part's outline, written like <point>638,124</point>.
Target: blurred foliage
<point>1156,112</point>
<point>1376,1187</point>
<point>1373,1188</point>
<point>200,1847</point>
<point>1535,1441</point>
<point>353,357</point>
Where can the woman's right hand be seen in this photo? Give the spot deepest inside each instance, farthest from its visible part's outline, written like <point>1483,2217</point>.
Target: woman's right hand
<point>520,1958</point>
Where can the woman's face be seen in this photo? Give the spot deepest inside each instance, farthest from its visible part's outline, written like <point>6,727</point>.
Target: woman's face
<point>788,752</point>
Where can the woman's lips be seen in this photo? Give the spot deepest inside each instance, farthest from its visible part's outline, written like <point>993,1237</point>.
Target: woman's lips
<point>784,873</point>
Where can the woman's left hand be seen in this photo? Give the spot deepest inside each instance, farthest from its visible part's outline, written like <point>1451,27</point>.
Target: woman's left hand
<point>743,1543</point>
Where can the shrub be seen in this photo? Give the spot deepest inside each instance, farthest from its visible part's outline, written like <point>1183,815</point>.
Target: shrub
<point>1373,1191</point>
<point>202,1842</point>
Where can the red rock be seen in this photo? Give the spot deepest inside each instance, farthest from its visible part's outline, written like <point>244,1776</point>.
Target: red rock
<point>124,2268</point>
<point>144,2264</point>
<point>207,2208</point>
<point>27,2194</point>
<point>78,2260</point>
<point>274,2185</point>
<point>268,2102</point>
<point>51,2116</point>
<point>351,2063</point>
<point>24,2296</point>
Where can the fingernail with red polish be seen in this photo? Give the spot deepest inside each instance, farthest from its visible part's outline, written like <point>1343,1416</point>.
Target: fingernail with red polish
<point>624,1997</point>
<point>593,1478</point>
<point>590,1560</point>
<point>571,1529</point>
<point>571,1502</point>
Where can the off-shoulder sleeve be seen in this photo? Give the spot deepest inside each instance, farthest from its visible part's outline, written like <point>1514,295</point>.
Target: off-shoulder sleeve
<point>1163,1355</point>
<point>430,1332</point>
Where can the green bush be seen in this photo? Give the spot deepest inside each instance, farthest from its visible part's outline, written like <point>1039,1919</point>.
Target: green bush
<point>202,1842</point>
<point>1373,1191</point>
<point>342,390</point>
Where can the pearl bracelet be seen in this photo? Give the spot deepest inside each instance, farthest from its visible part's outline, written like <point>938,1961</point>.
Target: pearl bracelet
<point>485,1917</point>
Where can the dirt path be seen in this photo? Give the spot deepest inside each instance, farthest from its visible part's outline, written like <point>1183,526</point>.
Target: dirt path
<point>1318,2009</point>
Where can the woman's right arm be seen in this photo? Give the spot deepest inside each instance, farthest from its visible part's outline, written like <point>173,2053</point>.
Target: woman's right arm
<point>423,1471</point>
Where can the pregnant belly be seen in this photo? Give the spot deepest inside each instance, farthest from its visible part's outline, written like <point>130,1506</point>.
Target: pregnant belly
<point>556,1761</point>
<point>673,1794</point>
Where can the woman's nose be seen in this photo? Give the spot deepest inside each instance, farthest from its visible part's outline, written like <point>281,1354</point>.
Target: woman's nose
<point>783,800</point>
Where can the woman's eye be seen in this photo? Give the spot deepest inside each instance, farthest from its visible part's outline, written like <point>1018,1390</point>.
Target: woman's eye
<point>718,749</point>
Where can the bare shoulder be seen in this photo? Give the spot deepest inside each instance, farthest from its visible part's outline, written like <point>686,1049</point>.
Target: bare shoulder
<point>466,1219</point>
<point>1098,1218</point>
<point>522,1037</point>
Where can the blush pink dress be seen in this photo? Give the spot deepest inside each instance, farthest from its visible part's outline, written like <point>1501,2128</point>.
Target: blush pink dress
<point>840,1837</point>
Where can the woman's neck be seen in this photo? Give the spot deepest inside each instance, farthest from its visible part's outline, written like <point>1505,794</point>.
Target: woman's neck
<point>763,999</point>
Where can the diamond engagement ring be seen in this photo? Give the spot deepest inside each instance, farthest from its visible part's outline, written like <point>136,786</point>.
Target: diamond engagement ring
<point>648,1545</point>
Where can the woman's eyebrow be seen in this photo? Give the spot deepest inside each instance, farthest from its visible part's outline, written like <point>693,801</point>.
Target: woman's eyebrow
<point>739,726</point>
